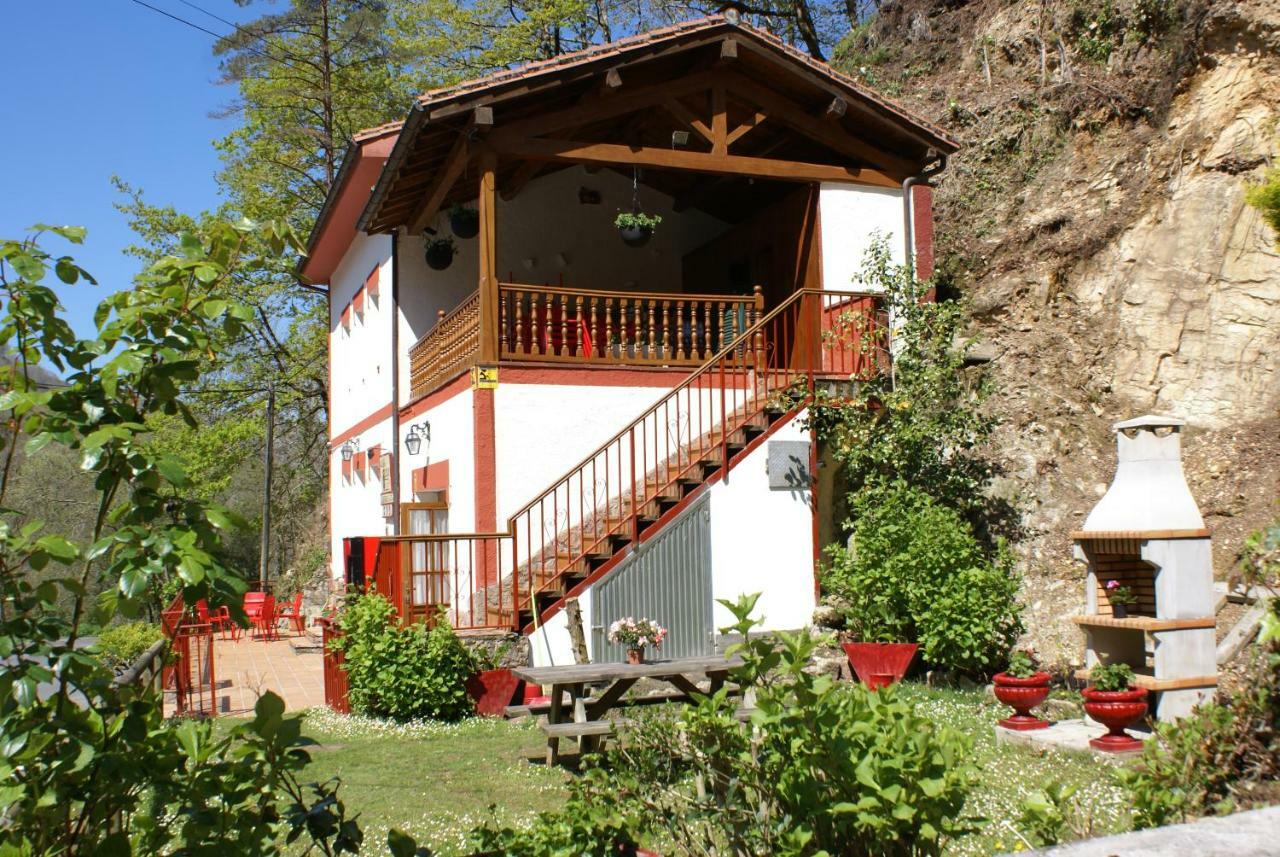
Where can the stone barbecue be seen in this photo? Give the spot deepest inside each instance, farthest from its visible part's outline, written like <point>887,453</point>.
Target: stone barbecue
<point>1147,535</point>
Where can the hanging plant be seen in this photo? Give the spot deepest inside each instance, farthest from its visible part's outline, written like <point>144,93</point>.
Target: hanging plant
<point>464,221</point>
<point>636,228</point>
<point>440,253</point>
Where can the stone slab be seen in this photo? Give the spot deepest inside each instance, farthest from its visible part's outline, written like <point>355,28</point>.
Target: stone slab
<point>1070,735</point>
<point>1245,834</point>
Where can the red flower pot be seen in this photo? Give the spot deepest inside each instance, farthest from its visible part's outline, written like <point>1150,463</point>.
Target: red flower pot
<point>493,691</point>
<point>1116,710</point>
<point>880,664</point>
<point>1022,695</point>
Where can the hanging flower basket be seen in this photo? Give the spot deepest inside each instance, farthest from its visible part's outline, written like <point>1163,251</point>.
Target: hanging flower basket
<point>636,228</point>
<point>464,221</point>
<point>440,253</point>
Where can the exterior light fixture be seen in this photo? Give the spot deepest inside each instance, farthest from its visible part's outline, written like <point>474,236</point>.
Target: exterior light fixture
<point>417,432</point>
<point>349,448</point>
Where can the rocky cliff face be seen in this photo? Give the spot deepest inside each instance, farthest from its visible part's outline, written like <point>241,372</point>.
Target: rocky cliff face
<point>1096,221</point>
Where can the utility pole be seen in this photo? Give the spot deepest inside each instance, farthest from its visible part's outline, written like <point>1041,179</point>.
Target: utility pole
<point>268,462</point>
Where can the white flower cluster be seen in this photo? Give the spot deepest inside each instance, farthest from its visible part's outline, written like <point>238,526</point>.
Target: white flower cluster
<point>635,633</point>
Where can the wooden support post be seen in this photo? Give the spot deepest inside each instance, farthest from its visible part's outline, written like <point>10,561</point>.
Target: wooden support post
<point>719,122</point>
<point>577,637</point>
<point>488,245</point>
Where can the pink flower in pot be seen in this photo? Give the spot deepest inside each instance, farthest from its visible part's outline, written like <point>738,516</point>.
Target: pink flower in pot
<point>1022,687</point>
<point>1115,703</point>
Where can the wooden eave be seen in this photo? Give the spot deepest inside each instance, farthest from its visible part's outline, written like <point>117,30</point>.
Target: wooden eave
<point>867,132</point>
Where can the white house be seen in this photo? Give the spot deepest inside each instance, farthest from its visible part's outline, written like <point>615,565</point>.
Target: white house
<point>555,412</point>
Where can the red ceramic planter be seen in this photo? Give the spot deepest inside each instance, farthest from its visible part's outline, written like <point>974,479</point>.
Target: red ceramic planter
<point>880,664</point>
<point>1116,710</point>
<point>1022,695</point>
<point>493,691</point>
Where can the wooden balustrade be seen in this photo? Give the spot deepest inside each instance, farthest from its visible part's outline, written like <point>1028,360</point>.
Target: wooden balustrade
<point>552,323</point>
<point>449,347</point>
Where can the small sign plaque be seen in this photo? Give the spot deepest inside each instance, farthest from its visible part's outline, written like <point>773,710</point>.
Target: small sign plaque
<point>484,378</point>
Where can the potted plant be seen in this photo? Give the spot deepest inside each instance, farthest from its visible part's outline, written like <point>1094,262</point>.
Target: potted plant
<point>1116,704</point>
<point>1022,686</point>
<point>440,252</point>
<point>464,220</point>
<point>1121,598</point>
<point>879,664</point>
<point>492,686</point>
<point>636,227</point>
<point>635,634</point>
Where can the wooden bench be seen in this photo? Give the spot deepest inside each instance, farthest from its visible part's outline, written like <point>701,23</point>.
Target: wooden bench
<point>585,731</point>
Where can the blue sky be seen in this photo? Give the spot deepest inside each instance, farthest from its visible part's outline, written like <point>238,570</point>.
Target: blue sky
<point>94,88</point>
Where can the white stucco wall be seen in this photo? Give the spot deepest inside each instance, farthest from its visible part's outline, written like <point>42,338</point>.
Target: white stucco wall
<point>452,439</point>
<point>360,358</point>
<point>359,378</point>
<point>542,430</point>
<point>762,541</point>
<point>851,215</point>
<point>550,644</point>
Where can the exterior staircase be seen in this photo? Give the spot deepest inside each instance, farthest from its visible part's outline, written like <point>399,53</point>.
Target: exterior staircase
<point>629,488</point>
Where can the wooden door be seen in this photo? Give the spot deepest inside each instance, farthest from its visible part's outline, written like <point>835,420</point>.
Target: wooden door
<point>427,564</point>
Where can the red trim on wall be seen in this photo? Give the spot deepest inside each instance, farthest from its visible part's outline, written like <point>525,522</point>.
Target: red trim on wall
<point>371,282</point>
<point>433,477</point>
<point>486,462</point>
<point>639,376</point>
<point>364,425</point>
<point>435,398</point>
<point>357,302</point>
<point>922,229</point>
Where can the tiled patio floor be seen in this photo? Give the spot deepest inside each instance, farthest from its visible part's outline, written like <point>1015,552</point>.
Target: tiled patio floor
<point>246,668</point>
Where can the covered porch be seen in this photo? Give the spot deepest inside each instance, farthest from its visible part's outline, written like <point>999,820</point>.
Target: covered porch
<point>719,130</point>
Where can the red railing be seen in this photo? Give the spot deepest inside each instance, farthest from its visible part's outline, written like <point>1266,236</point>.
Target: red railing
<point>614,494</point>
<point>335,677</point>
<point>190,675</point>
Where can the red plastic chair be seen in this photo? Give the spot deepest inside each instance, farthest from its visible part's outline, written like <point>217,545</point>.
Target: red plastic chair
<point>293,613</point>
<point>264,622</point>
<point>219,619</point>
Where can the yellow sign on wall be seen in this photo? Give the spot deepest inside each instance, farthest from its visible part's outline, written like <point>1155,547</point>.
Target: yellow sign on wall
<point>484,377</point>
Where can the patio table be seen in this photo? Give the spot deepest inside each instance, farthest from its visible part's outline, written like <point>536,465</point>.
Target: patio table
<point>584,719</point>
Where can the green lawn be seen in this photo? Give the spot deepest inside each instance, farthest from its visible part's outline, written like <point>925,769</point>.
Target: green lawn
<point>437,781</point>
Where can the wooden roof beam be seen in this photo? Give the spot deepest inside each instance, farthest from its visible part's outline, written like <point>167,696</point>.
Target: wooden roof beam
<point>685,115</point>
<point>836,110</point>
<point>680,159</point>
<point>728,51</point>
<point>823,132</point>
<point>747,127</point>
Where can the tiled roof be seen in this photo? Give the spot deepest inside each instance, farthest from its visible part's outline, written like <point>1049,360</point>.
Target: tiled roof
<point>595,53</point>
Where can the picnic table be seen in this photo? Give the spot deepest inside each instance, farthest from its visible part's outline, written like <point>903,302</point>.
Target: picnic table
<point>584,718</point>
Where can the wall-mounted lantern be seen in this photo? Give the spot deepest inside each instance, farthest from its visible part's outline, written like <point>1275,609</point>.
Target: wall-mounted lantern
<point>349,448</point>
<point>417,432</point>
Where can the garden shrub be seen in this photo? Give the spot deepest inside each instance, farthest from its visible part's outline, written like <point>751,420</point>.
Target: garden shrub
<point>120,645</point>
<point>823,767</point>
<point>1224,757</point>
<point>402,672</point>
<point>916,573</point>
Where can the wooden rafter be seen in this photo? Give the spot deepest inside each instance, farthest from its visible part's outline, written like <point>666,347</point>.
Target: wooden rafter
<point>522,176</point>
<point>679,159</point>
<point>825,133</point>
<point>455,162</point>
<point>685,115</point>
<point>747,127</point>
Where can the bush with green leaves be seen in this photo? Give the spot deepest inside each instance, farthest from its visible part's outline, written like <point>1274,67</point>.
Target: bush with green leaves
<point>822,767</point>
<point>915,572</point>
<point>1265,196</point>
<point>1224,757</point>
<point>399,671</point>
<point>1111,677</point>
<point>120,645</point>
<point>95,768</point>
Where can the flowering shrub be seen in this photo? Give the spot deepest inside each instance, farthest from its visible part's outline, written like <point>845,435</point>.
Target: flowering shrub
<point>634,633</point>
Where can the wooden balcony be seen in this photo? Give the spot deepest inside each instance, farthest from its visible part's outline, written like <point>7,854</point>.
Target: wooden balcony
<point>552,324</point>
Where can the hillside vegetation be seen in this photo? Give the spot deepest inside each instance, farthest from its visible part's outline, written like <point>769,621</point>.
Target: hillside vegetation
<point>1096,222</point>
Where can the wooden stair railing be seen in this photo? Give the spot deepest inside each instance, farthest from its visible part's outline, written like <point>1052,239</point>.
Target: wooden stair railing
<point>617,495</point>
